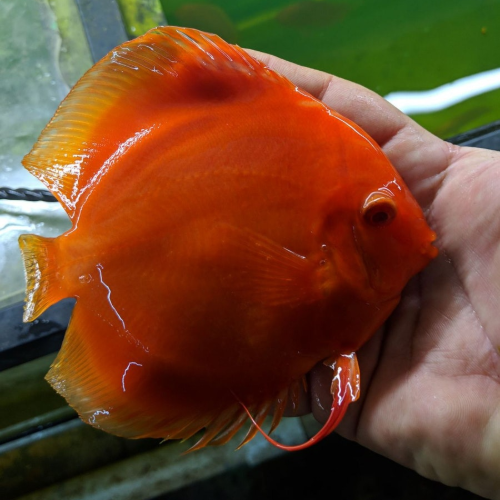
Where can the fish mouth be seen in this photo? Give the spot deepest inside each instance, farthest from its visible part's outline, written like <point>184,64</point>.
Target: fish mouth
<point>432,251</point>
<point>428,250</point>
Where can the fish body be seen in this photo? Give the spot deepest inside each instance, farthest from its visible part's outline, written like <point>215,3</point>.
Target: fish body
<point>229,233</point>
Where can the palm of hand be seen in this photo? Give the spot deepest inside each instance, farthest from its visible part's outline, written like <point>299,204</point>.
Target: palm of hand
<point>433,394</point>
<point>430,395</point>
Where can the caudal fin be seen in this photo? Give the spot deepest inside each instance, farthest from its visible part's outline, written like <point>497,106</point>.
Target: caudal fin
<point>42,287</point>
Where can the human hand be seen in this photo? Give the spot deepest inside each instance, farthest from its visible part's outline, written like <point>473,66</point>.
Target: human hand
<point>430,378</point>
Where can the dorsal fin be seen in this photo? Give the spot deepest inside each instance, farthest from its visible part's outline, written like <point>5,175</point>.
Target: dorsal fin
<point>131,91</point>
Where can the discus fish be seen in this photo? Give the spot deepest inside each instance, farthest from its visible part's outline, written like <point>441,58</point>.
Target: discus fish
<point>229,232</point>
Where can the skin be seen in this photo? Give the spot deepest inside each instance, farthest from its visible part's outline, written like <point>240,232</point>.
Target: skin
<point>430,391</point>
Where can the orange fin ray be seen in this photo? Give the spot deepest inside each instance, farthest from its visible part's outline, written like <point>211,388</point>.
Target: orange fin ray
<point>345,390</point>
<point>40,266</point>
<point>137,85</point>
<point>260,416</point>
<point>228,433</point>
<point>279,409</point>
<point>215,427</point>
<point>184,429</point>
<point>94,387</point>
<point>188,431</point>
<point>269,273</point>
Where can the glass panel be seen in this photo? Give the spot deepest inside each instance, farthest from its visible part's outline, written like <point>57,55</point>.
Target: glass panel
<point>39,64</point>
<point>27,401</point>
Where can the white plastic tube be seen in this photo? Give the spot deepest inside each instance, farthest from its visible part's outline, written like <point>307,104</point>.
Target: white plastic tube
<point>446,95</point>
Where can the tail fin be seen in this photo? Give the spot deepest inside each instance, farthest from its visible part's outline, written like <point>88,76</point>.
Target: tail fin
<point>42,286</point>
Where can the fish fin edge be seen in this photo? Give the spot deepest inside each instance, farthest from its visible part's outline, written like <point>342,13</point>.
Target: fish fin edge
<point>228,422</point>
<point>224,427</point>
<point>267,272</point>
<point>139,75</point>
<point>344,390</point>
<point>89,374</point>
<point>43,287</point>
<point>95,395</point>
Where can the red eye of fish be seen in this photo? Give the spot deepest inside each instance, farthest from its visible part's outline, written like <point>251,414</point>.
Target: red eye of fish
<point>379,210</point>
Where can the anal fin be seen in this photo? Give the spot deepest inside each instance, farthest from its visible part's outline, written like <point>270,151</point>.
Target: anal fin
<point>96,371</point>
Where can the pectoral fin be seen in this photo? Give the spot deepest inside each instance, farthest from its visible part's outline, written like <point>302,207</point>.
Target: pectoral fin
<point>261,270</point>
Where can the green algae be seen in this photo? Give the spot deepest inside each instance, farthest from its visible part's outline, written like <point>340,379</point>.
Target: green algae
<point>141,15</point>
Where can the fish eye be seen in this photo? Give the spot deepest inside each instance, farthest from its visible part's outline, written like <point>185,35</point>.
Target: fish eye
<point>379,210</point>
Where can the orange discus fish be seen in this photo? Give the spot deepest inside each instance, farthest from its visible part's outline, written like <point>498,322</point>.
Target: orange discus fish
<point>229,232</point>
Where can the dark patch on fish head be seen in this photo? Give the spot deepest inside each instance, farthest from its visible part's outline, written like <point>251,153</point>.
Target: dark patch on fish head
<point>208,87</point>
<point>207,84</point>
